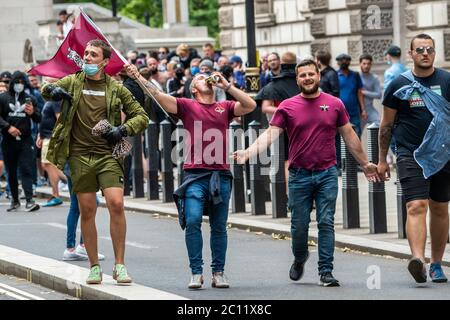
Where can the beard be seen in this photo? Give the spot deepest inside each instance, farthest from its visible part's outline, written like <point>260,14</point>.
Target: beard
<point>310,91</point>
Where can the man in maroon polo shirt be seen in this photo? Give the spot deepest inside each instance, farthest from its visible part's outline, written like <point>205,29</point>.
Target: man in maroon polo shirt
<point>207,179</point>
<point>311,120</point>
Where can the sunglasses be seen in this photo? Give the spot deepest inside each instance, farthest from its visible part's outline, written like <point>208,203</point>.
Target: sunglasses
<point>5,81</point>
<point>421,50</point>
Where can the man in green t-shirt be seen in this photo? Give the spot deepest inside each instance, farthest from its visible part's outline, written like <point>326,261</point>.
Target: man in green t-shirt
<point>90,96</point>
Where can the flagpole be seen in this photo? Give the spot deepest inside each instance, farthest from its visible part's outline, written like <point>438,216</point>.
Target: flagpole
<point>142,85</point>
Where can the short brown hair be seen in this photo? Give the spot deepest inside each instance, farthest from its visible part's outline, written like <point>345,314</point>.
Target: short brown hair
<point>288,58</point>
<point>421,36</point>
<point>365,56</point>
<point>106,49</point>
<point>324,57</point>
<point>208,45</point>
<point>306,62</point>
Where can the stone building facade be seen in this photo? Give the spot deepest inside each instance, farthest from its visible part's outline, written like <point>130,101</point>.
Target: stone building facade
<point>351,26</point>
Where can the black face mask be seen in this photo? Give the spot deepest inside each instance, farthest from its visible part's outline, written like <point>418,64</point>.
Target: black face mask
<point>179,75</point>
<point>133,61</point>
<point>344,66</point>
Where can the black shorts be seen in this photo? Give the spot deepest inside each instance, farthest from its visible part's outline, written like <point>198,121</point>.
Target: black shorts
<point>416,187</point>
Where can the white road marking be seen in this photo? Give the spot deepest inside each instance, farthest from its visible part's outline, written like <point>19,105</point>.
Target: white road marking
<point>17,293</point>
<point>57,225</point>
<point>20,224</point>
<point>133,244</point>
<point>128,243</point>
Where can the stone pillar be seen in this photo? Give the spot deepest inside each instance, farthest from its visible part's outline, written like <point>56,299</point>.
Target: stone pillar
<point>18,24</point>
<point>175,12</point>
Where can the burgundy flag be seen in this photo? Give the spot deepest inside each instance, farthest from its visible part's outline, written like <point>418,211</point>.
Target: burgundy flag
<point>69,57</point>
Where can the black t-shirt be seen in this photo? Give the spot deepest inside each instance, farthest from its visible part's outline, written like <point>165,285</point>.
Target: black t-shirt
<point>413,117</point>
<point>51,108</point>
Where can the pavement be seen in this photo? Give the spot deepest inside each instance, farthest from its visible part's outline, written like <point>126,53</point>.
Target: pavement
<point>257,264</point>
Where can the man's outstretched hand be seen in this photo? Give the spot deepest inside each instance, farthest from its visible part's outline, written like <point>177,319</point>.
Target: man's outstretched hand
<point>58,94</point>
<point>371,172</point>
<point>240,156</point>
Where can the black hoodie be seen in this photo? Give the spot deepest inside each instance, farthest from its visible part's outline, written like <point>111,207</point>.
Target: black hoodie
<point>11,109</point>
<point>282,87</point>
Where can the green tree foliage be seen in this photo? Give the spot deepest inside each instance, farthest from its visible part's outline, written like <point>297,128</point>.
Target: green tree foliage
<point>205,13</point>
<point>201,12</point>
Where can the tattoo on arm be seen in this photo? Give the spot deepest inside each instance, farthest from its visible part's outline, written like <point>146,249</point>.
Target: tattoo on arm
<point>152,88</point>
<point>384,140</point>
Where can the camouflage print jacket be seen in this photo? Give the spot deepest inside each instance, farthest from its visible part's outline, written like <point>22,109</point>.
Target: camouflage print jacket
<point>118,98</point>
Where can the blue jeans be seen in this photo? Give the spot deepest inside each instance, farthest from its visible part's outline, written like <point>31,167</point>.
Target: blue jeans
<point>306,186</point>
<point>72,218</point>
<point>196,196</point>
<point>356,121</point>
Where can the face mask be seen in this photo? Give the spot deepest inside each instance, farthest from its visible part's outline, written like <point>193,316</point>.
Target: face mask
<point>344,66</point>
<point>179,74</point>
<point>162,56</point>
<point>133,61</point>
<point>195,70</point>
<point>90,69</point>
<point>389,62</point>
<point>18,87</point>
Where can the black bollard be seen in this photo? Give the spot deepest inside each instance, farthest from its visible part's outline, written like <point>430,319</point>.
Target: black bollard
<point>377,194</point>
<point>180,154</point>
<point>257,189</point>
<point>350,197</point>
<point>238,190</point>
<point>137,168</point>
<point>401,211</point>
<point>153,163</point>
<point>166,161</point>
<point>255,115</point>
<point>278,179</point>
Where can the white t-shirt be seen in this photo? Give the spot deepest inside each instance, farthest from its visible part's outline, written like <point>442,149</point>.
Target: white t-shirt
<point>67,26</point>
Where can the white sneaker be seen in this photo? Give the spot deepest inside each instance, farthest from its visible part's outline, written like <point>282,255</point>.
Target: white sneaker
<point>63,186</point>
<point>73,256</point>
<point>81,250</point>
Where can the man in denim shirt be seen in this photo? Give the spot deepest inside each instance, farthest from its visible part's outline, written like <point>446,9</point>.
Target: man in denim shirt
<point>412,119</point>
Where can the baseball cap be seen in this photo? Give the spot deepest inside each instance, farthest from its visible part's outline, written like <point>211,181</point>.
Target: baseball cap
<point>343,56</point>
<point>394,51</point>
<point>5,75</point>
<point>234,59</point>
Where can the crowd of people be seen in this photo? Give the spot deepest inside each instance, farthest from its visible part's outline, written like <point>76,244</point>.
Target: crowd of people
<point>47,138</point>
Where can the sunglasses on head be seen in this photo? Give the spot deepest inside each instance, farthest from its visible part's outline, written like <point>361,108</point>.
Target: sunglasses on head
<point>421,50</point>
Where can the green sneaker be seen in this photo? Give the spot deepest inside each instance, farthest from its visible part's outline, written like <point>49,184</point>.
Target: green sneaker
<point>120,274</point>
<point>95,276</point>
